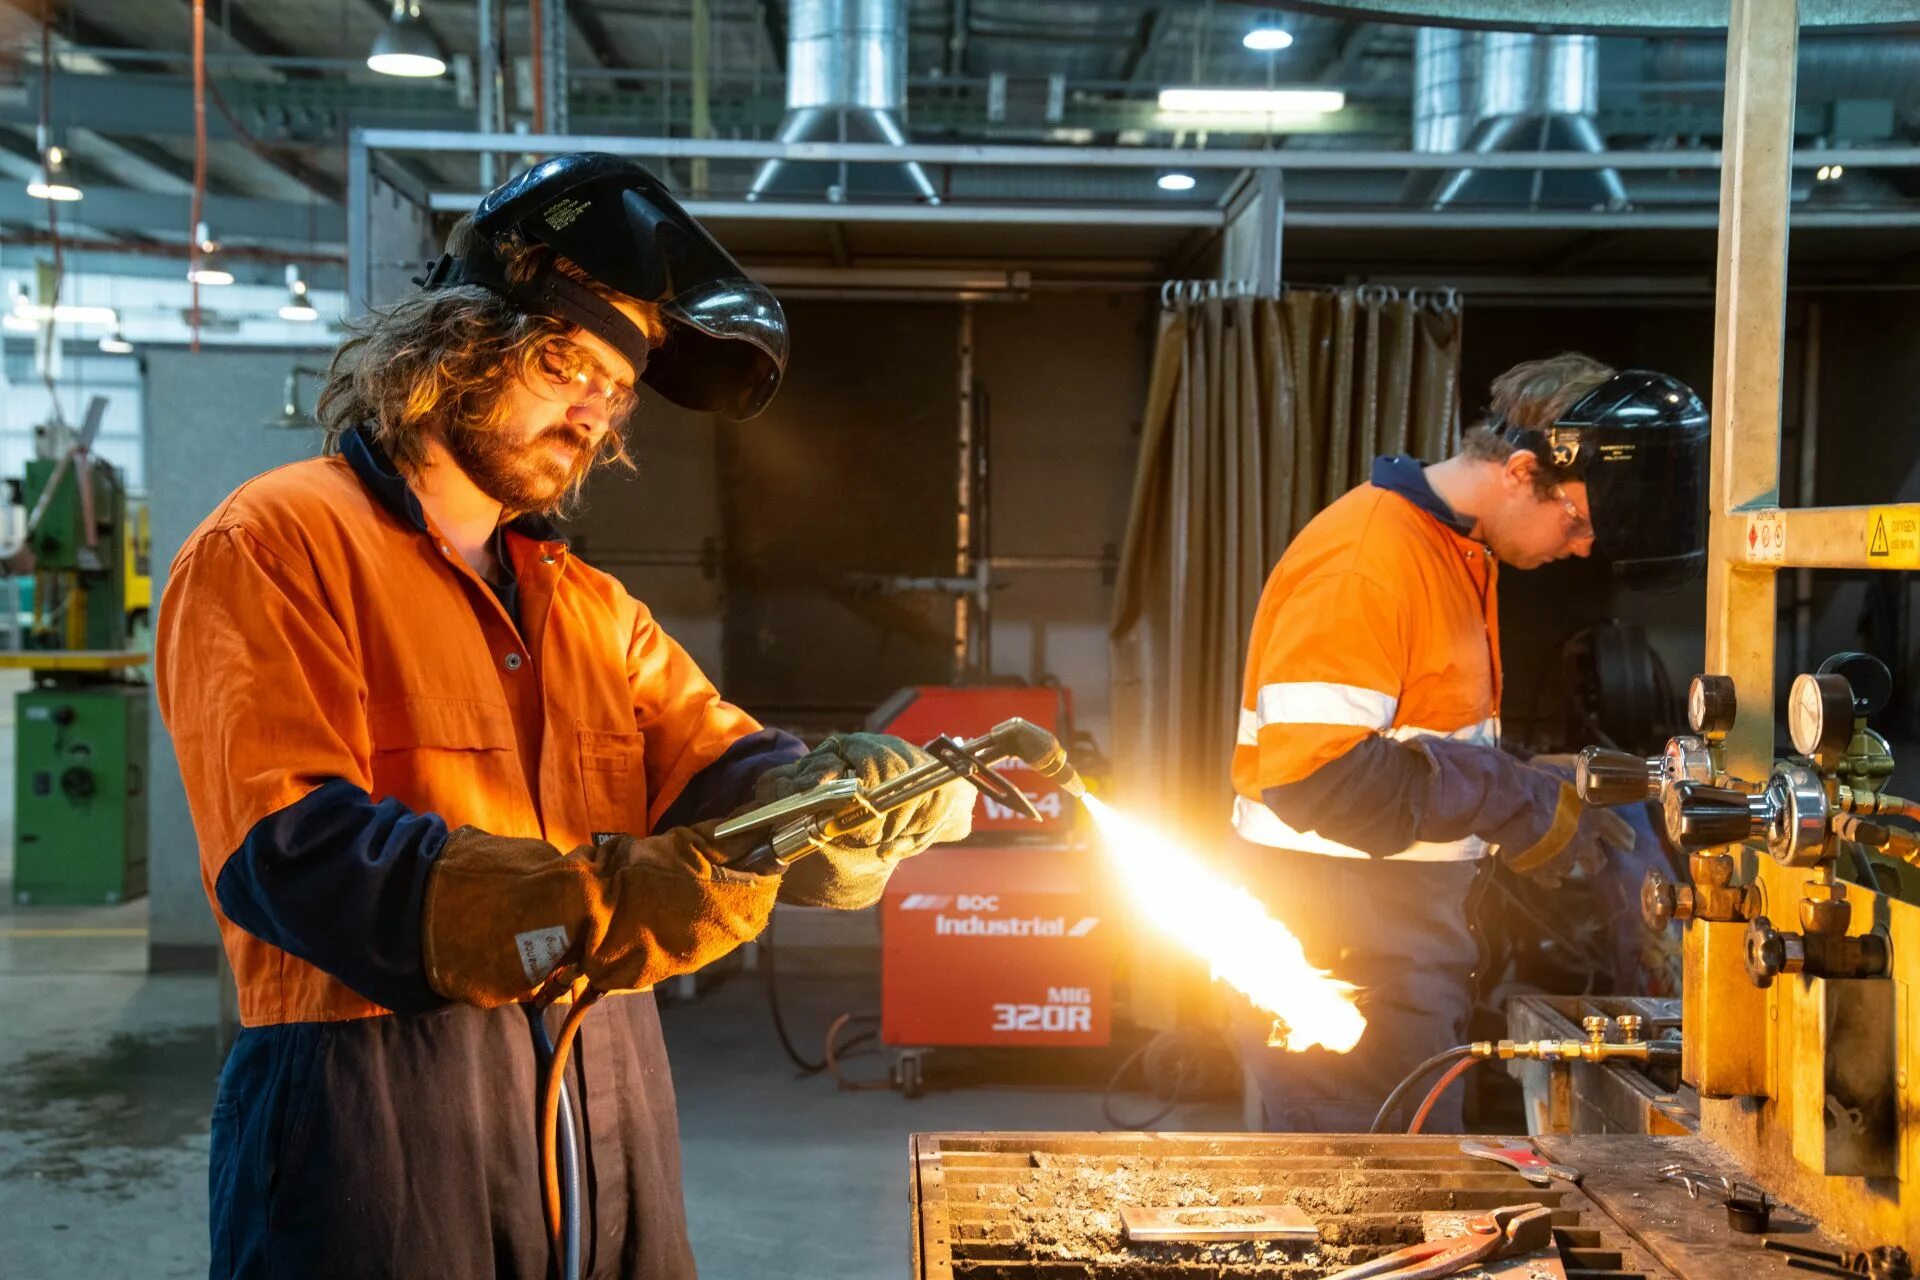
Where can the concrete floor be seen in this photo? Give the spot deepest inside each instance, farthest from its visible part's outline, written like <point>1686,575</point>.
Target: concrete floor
<point>110,1072</point>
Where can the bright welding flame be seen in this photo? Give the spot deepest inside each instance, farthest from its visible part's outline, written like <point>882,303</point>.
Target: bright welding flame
<point>1227,927</point>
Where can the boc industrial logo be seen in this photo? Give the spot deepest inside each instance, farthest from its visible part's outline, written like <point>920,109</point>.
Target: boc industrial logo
<point>977,915</point>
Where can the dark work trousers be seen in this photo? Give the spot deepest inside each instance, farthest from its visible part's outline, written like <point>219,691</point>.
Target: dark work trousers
<point>1398,930</point>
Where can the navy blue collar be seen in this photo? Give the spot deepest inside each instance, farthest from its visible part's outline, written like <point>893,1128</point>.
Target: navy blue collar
<point>1407,476</point>
<point>376,471</point>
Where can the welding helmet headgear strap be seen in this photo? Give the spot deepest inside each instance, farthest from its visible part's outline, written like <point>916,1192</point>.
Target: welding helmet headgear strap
<point>1638,441</point>
<point>548,293</point>
<point>726,345</point>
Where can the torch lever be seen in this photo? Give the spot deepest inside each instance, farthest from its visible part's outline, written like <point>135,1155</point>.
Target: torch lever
<point>803,824</point>
<point>989,783</point>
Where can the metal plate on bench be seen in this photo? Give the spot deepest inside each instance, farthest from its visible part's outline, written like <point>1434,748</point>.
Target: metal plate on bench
<point>1204,1224</point>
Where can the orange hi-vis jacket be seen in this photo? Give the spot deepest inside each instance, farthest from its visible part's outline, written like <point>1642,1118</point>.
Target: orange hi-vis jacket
<point>1380,619</point>
<point>341,687</point>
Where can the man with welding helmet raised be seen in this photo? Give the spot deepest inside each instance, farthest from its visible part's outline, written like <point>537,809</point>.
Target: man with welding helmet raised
<point>1368,775</point>
<point>439,767</point>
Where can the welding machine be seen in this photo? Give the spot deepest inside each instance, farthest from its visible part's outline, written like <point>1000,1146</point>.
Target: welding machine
<point>1005,939</point>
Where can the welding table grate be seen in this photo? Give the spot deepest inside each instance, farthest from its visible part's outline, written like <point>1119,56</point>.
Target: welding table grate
<point>1046,1206</point>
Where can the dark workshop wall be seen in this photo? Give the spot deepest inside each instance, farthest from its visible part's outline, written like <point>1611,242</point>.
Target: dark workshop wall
<point>657,527</point>
<point>1066,380</point>
<point>747,539</point>
<point>848,476</point>
<point>1869,453</point>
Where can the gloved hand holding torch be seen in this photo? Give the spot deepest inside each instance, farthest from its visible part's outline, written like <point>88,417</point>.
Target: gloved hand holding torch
<point>852,870</point>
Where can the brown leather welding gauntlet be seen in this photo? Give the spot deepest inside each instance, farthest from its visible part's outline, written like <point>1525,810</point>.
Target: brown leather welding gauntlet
<point>504,913</point>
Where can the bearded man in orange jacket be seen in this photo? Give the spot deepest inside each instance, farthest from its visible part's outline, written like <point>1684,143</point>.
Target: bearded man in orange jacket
<point>435,760</point>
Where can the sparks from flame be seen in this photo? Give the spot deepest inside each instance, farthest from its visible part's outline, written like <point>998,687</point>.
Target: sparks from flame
<point>1228,928</point>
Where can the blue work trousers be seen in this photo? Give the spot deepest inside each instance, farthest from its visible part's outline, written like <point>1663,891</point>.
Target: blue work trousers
<point>1401,932</point>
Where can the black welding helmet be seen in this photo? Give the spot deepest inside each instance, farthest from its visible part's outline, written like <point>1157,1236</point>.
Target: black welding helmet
<point>1639,442</point>
<point>726,343</point>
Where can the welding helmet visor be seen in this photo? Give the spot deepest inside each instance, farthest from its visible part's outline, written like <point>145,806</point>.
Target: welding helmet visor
<point>1639,442</point>
<point>726,345</point>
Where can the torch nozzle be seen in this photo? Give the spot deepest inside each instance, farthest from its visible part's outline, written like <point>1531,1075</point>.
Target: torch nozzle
<point>1040,751</point>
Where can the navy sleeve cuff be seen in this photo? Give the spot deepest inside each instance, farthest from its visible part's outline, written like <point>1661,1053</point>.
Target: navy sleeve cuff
<point>341,882</point>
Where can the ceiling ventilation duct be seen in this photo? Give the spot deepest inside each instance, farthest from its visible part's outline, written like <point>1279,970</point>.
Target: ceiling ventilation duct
<point>1503,91</point>
<point>846,82</point>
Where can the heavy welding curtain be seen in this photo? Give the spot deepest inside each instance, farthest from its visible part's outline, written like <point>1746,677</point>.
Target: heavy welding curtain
<point>1259,413</point>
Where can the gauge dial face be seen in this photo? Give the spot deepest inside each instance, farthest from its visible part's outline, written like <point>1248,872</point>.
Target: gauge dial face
<point>1806,715</point>
<point>1710,705</point>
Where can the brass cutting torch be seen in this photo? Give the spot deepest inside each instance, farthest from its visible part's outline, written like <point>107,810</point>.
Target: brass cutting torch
<point>792,828</point>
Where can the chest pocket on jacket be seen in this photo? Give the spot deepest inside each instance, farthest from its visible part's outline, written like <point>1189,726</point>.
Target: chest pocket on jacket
<point>450,756</point>
<point>613,770</point>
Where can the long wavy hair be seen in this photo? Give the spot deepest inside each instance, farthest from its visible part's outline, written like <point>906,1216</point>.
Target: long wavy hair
<point>445,358</point>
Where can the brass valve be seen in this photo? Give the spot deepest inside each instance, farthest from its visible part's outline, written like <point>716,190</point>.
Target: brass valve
<point>1595,1048</point>
<point>1712,896</point>
<point>1630,1025</point>
<point>1771,953</point>
<point>1823,948</point>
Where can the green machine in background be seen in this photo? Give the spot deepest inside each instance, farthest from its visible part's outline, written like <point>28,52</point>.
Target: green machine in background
<point>80,733</point>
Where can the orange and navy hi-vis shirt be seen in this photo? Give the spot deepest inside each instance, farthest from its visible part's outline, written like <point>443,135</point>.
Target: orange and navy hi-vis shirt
<point>342,690</point>
<point>1379,624</point>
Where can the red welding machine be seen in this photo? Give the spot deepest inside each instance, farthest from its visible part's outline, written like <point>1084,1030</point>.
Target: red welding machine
<point>1006,939</point>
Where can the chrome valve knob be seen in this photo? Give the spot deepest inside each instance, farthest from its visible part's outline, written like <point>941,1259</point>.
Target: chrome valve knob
<point>1614,777</point>
<point>1703,817</point>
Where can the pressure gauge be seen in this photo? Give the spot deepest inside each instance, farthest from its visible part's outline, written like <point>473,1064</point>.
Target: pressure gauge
<point>1711,705</point>
<point>1820,715</point>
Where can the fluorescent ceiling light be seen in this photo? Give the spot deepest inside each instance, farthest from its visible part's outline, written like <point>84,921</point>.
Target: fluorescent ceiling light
<point>298,307</point>
<point>66,313</point>
<point>41,189</point>
<point>209,272</point>
<point>50,180</point>
<point>1267,39</point>
<point>1252,102</point>
<point>405,47</point>
<point>1176,182</point>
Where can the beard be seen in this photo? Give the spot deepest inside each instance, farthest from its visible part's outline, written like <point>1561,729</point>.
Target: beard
<point>521,475</point>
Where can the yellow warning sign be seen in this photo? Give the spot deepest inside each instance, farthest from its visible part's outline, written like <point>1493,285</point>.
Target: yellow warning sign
<point>1893,537</point>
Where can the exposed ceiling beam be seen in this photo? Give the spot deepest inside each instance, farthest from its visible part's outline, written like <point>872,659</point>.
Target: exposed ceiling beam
<point>1145,37</point>
<point>124,210</point>
<point>80,29</point>
<point>593,33</point>
<point>141,159</point>
<point>250,36</point>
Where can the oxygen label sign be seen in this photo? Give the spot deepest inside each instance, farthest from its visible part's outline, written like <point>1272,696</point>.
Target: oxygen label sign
<point>1766,537</point>
<point>1893,538</point>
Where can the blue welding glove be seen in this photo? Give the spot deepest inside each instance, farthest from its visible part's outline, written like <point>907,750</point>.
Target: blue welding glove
<point>1534,818</point>
<point>852,872</point>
